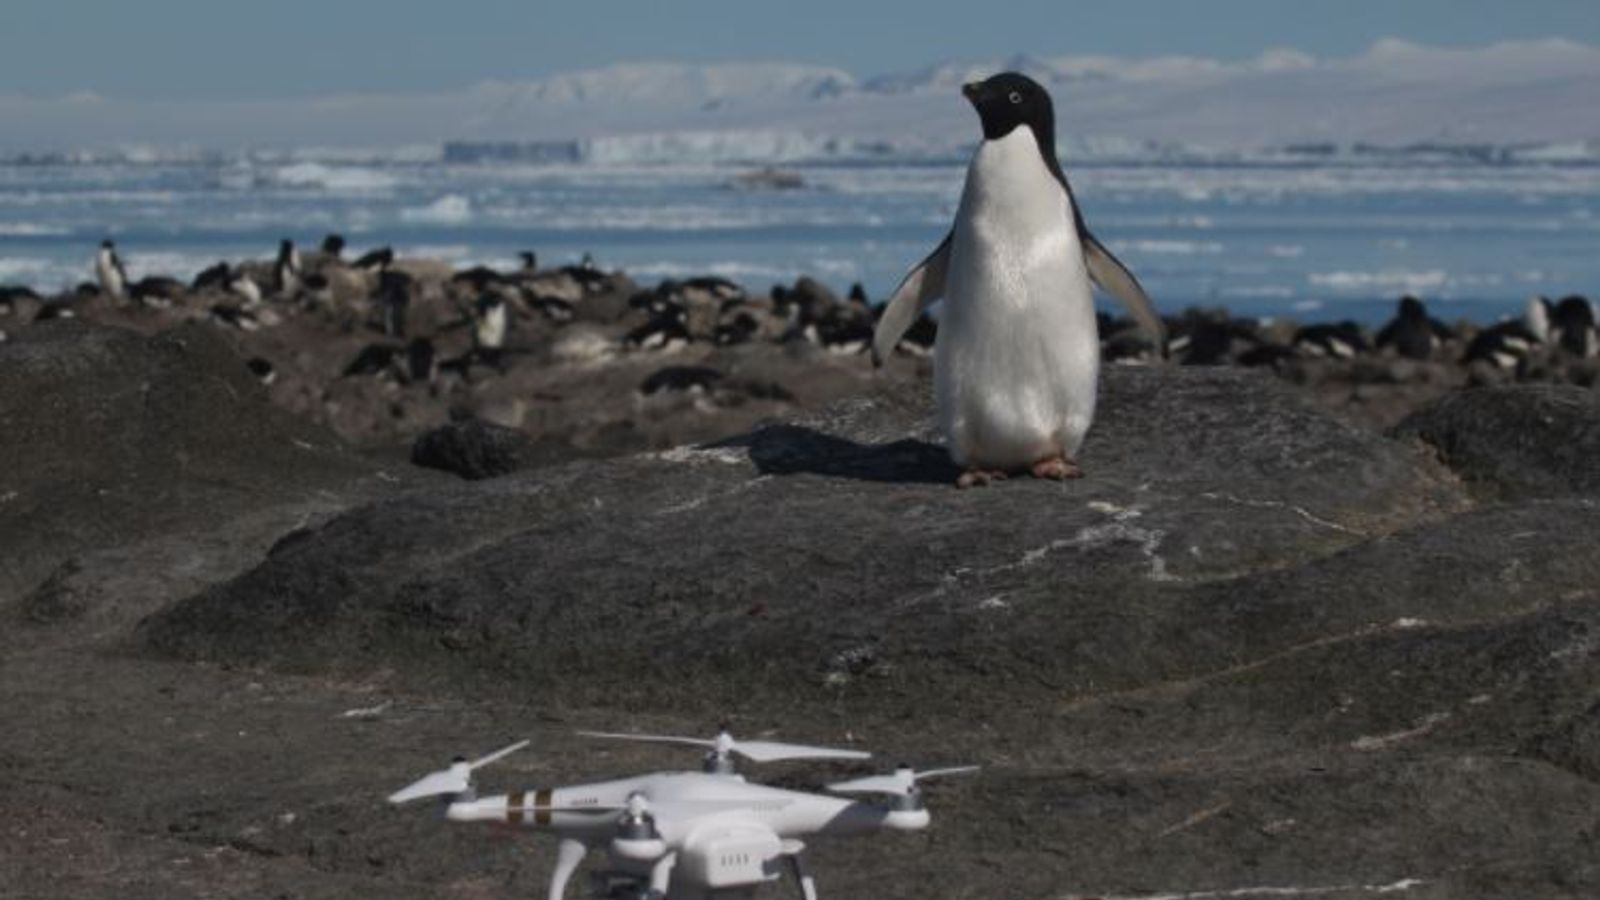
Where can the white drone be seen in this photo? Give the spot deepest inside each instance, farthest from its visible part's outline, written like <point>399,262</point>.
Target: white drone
<point>687,834</point>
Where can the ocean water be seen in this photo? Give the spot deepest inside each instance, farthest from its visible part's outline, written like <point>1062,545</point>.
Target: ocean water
<point>1310,238</point>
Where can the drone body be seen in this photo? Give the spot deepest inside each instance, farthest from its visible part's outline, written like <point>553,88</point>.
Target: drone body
<point>686,834</point>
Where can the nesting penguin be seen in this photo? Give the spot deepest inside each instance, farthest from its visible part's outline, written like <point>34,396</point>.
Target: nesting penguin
<point>1017,359</point>
<point>1412,332</point>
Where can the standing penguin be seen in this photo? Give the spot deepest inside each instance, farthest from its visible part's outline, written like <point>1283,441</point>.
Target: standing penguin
<point>1017,358</point>
<point>489,331</point>
<point>286,271</point>
<point>1572,327</point>
<point>108,268</point>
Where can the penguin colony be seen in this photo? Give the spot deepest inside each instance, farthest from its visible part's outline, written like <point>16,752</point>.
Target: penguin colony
<point>356,341</point>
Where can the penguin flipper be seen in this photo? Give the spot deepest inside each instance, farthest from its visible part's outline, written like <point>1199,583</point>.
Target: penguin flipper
<point>1114,278</point>
<point>921,286</point>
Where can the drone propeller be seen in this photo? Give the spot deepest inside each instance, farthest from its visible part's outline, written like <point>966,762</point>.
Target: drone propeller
<point>639,805</point>
<point>457,779</point>
<point>902,783</point>
<point>724,743</point>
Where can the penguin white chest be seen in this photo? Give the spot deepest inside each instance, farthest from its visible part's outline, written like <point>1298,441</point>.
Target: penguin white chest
<point>491,329</point>
<point>1018,354</point>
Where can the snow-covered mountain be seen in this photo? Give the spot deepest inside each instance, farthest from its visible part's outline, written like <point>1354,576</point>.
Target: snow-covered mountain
<point>1514,94</point>
<point>678,84</point>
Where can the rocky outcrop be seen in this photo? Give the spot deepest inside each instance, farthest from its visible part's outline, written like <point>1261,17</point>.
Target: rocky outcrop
<point>798,543</point>
<point>1255,649</point>
<point>472,448</point>
<point>113,438</point>
<point>1532,440</point>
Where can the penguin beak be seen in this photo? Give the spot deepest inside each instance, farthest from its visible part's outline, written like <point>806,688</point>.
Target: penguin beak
<point>970,90</point>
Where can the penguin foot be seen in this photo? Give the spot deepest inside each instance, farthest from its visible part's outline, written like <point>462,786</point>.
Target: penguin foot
<point>980,477</point>
<point>1056,468</point>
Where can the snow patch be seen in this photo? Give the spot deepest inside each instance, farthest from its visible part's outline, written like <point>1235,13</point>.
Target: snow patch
<point>333,178</point>
<point>1384,281</point>
<point>451,209</point>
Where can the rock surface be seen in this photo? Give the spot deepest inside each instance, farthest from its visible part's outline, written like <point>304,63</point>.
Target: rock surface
<point>1256,652</point>
<point>113,439</point>
<point>1532,440</point>
<point>1256,648</point>
<point>766,557</point>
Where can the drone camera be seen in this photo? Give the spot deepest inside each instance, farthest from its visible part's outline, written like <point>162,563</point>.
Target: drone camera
<point>733,857</point>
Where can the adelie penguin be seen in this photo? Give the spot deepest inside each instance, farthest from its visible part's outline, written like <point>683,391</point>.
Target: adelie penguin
<point>157,291</point>
<point>245,288</point>
<point>489,330</point>
<point>1572,327</point>
<point>1506,346</point>
<point>394,298</point>
<point>10,296</point>
<point>108,268</point>
<point>262,369</point>
<point>1017,359</point>
<point>286,271</point>
<point>375,260</point>
<point>1413,333</point>
<point>212,278</point>
<point>1341,340</point>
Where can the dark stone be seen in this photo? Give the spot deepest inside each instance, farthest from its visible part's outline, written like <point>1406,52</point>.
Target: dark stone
<point>473,449</point>
<point>1517,441</point>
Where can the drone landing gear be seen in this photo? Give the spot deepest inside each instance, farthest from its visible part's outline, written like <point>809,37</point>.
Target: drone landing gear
<point>568,856</point>
<point>619,885</point>
<point>661,876</point>
<point>797,867</point>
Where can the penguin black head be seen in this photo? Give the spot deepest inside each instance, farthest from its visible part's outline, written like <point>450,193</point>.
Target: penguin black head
<point>1411,309</point>
<point>1010,99</point>
<point>262,369</point>
<point>107,245</point>
<point>333,245</point>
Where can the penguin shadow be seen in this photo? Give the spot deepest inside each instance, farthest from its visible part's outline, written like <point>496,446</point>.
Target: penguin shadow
<point>796,450</point>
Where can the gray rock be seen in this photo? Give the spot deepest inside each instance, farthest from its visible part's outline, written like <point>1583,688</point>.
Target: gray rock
<point>473,449</point>
<point>110,437</point>
<point>1519,441</point>
<point>805,541</point>
<point>1254,648</point>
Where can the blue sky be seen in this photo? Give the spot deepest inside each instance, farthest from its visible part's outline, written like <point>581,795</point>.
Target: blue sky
<point>290,48</point>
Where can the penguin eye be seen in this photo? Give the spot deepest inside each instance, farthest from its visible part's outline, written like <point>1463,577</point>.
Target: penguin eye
<point>1015,97</point>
